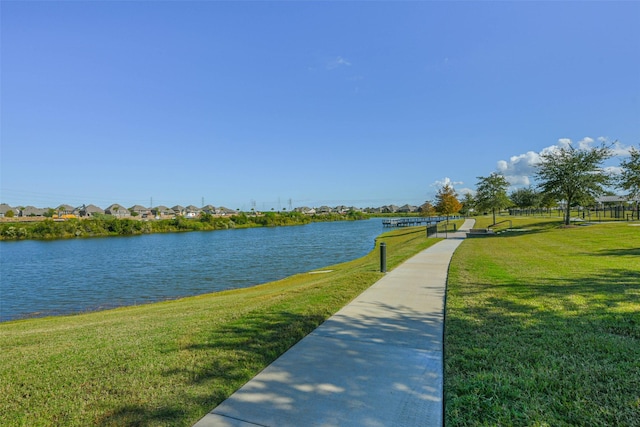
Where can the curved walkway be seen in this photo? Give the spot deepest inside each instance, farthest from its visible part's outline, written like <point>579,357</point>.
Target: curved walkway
<point>375,363</point>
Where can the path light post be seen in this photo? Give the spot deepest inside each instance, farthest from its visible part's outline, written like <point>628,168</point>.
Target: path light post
<point>383,257</point>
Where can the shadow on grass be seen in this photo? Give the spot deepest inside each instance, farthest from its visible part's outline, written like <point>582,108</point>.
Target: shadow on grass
<point>516,232</point>
<point>618,252</point>
<point>227,354</point>
<point>519,230</point>
<point>558,352</point>
<point>302,388</point>
<point>137,415</point>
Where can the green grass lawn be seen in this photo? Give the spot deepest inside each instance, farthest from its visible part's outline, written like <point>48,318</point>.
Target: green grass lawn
<point>170,363</point>
<point>543,327</point>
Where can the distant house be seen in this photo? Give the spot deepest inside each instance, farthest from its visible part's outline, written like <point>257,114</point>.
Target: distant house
<point>407,208</point>
<point>118,211</point>
<point>305,210</point>
<point>209,209</point>
<point>389,209</point>
<point>342,209</point>
<point>91,210</point>
<point>31,211</point>
<point>139,210</point>
<point>65,210</point>
<point>179,210</point>
<point>162,212</point>
<point>324,210</point>
<point>4,208</point>
<point>191,211</point>
<point>225,211</point>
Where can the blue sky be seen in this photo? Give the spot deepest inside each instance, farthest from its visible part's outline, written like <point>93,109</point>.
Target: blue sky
<point>265,103</point>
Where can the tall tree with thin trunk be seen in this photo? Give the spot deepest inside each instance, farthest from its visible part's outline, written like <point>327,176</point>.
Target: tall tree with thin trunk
<point>629,180</point>
<point>573,175</point>
<point>491,193</point>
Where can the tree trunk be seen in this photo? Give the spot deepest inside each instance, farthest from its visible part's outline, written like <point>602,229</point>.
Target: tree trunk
<point>567,216</point>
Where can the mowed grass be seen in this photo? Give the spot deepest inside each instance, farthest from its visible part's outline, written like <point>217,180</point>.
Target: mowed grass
<point>543,327</point>
<point>170,363</point>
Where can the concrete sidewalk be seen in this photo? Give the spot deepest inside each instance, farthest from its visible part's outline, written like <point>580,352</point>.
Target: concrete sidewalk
<point>377,362</point>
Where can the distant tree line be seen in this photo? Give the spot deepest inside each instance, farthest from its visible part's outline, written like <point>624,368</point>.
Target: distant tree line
<point>105,225</point>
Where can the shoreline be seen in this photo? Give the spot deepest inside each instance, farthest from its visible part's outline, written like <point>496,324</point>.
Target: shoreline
<point>107,274</point>
<point>73,228</point>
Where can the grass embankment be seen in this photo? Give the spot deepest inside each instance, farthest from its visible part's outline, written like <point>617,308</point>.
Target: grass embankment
<point>170,363</point>
<point>543,328</point>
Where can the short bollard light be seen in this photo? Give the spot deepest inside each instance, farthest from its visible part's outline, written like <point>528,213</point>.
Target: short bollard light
<point>383,257</point>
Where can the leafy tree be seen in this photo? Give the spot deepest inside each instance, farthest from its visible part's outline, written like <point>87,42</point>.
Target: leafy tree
<point>525,197</point>
<point>240,219</point>
<point>468,204</point>
<point>206,217</point>
<point>355,215</point>
<point>547,201</point>
<point>9,214</point>
<point>573,175</point>
<point>491,193</point>
<point>629,180</point>
<point>447,201</point>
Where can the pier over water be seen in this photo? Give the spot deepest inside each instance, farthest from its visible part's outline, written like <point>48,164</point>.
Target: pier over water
<point>415,221</point>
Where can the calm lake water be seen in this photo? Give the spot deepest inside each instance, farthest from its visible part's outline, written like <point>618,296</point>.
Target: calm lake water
<point>40,278</point>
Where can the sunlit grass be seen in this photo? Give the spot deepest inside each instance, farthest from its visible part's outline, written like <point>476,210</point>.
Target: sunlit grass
<point>170,363</point>
<point>543,328</point>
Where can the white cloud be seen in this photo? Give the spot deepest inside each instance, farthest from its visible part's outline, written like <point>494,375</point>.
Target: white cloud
<point>613,170</point>
<point>464,190</point>
<point>617,148</point>
<point>519,170</point>
<point>445,181</point>
<point>585,143</point>
<point>439,183</point>
<point>337,62</point>
<point>620,149</point>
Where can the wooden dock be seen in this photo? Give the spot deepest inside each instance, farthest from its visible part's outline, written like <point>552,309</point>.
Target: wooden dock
<point>415,221</point>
